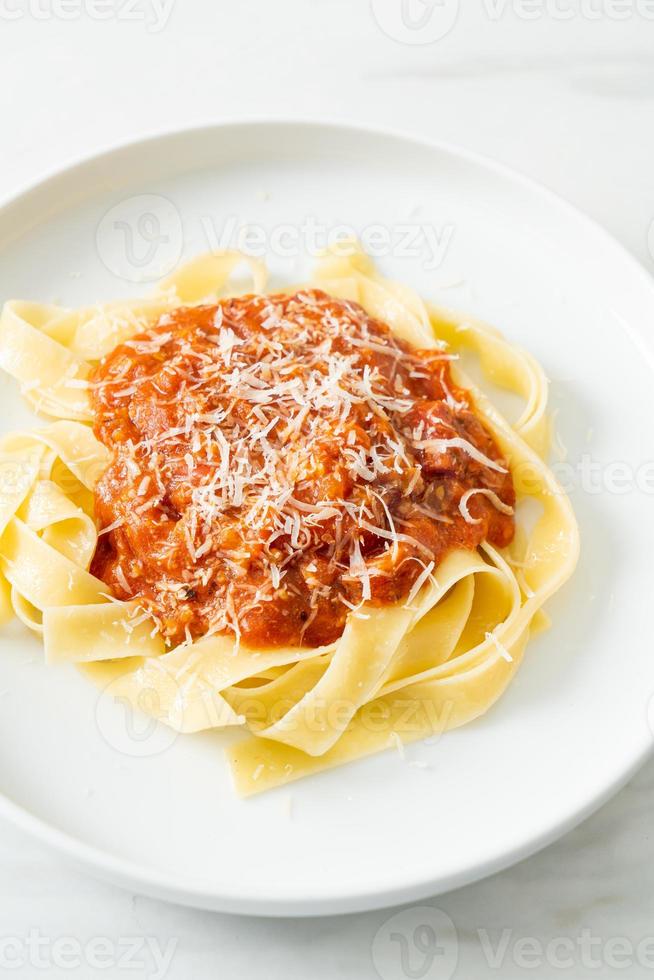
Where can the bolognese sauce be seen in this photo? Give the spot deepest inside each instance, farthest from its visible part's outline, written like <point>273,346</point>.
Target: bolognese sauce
<point>278,460</point>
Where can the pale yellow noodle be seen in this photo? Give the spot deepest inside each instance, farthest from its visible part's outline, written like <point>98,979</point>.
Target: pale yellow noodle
<point>397,673</point>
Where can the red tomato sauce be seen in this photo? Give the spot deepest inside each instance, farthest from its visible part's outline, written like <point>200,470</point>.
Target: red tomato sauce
<point>277,460</point>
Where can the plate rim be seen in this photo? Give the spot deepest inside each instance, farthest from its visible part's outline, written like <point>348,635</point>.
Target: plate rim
<point>132,875</point>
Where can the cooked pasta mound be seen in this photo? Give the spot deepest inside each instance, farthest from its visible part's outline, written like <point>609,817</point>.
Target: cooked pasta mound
<point>290,512</point>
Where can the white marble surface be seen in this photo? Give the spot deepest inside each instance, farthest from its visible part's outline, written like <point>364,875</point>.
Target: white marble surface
<point>561,90</point>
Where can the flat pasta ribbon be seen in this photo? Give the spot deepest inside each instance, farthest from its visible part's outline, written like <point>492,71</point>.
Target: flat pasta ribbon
<point>399,672</point>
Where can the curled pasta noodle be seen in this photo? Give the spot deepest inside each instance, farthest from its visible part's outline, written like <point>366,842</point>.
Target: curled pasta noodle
<point>398,672</point>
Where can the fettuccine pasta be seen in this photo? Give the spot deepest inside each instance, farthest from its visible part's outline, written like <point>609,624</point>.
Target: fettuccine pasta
<point>393,590</point>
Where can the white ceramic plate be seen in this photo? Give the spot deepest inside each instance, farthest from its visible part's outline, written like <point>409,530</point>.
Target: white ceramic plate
<point>158,814</point>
